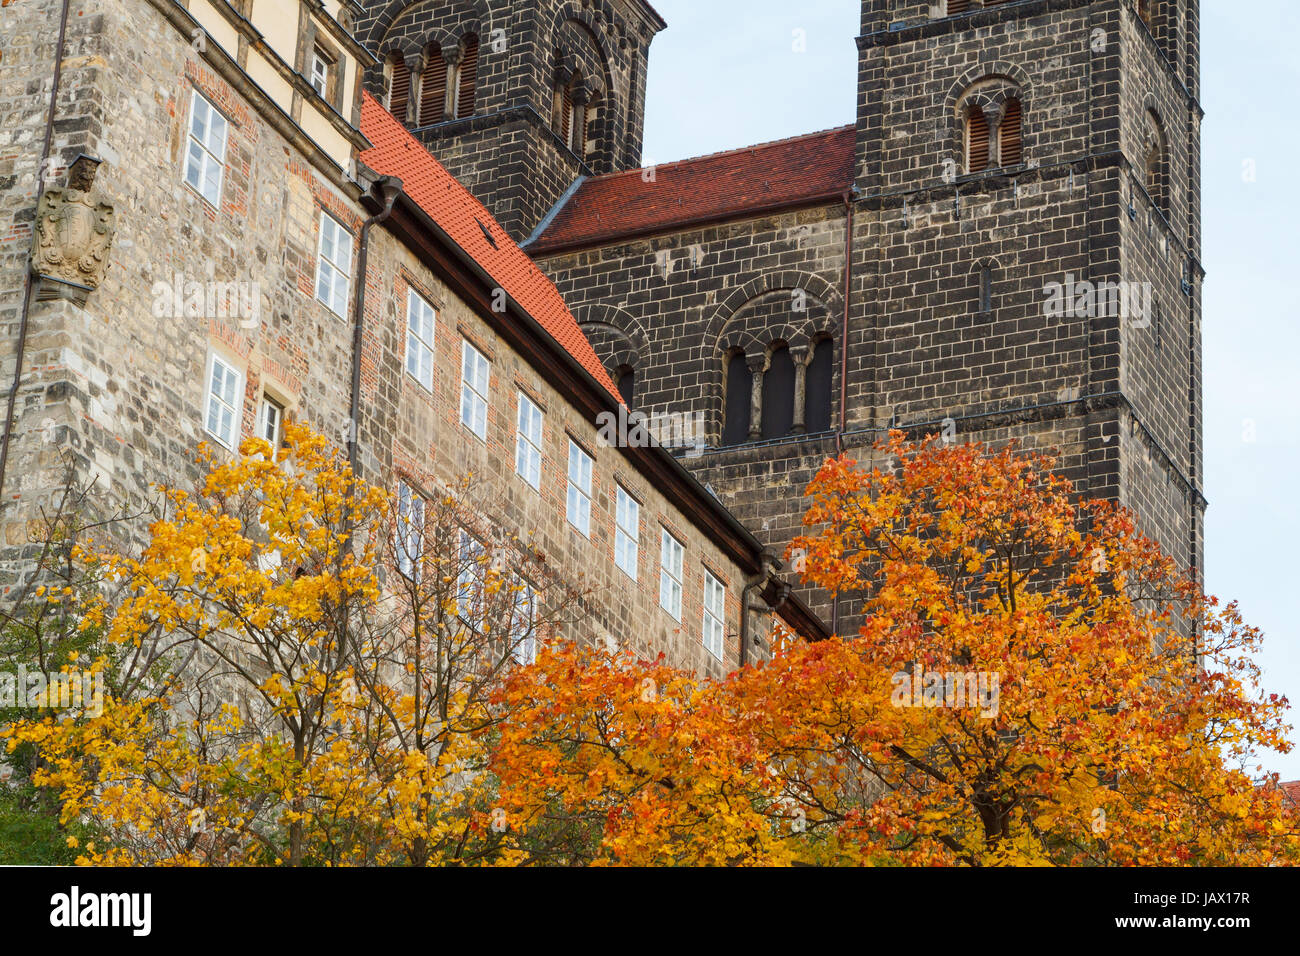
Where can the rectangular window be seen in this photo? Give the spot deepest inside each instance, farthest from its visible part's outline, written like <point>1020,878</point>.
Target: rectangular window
<point>469,590</point>
<point>671,553</point>
<point>579,497</point>
<point>474,390</point>
<point>715,600</point>
<point>523,633</point>
<point>205,155</point>
<point>270,422</point>
<point>410,530</point>
<point>225,402</point>
<point>528,442</point>
<point>320,73</point>
<point>627,532</point>
<point>334,265</point>
<point>419,339</point>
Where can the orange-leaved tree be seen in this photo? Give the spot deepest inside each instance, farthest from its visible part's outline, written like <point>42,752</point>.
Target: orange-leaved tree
<point>1032,682</point>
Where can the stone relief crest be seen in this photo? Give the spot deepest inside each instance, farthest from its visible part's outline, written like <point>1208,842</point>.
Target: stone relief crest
<point>73,233</point>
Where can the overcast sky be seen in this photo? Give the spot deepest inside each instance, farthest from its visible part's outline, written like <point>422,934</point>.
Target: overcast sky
<point>727,73</point>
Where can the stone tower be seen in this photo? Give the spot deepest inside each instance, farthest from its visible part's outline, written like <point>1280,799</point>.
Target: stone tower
<point>521,99</point>
<point>1005,244</point>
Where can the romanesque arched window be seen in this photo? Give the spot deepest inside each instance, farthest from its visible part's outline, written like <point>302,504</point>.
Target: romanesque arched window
<point>778,394</point>
<point>399,85</point>
<point>573,115</point>
<point>433,87</point>
<point>467,77</point>
<point>625,382</point>
<point>817,388</point>
<point>991,114</point>
<point>735,428</point>
<point>977,140</point>
<point>1009,134</point>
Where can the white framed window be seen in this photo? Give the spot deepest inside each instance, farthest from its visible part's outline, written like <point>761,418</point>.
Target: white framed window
<point>528,442</point>
<point>474,390</point>
<point>409,533</point>
<point>715,601</point>
<point>334,265</point>
<point>627,532</point>
<point>319,76</point>
<point>225,400</point>
<point>205,154</point>
<point>419,339</point>
<point>270,422</point>
<point>469,590</point>
<point>579,497</point>
<point>671,553</point>
<point>523,630</point>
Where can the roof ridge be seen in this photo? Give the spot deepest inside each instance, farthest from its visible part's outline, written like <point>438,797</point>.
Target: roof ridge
<point>605,177</point>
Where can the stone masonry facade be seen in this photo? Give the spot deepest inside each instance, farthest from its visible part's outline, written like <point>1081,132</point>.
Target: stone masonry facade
<point>119,386</point>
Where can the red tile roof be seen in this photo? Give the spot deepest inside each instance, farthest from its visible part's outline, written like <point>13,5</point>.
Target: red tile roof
<point>1292,790</point>
<point>395,152</point>
<point>730,185</point>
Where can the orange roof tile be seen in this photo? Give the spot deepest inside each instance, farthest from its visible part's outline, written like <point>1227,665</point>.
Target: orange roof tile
<point>395,152</point>
<point>785,173</point>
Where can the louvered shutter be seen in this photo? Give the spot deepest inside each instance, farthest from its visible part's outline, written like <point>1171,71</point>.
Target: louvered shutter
<point>468,79</point>
<point>957,6</point>
<point>1009,140</point>
<point>433,88</point>
<point>399,88</point>
<point>977,141</point>
<point>566,113</point>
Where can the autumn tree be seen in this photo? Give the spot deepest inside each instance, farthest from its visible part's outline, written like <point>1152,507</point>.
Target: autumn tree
<point>1033,682</point>
<point>322,657</point>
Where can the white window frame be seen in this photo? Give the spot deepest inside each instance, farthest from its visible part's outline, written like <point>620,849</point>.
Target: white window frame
<point>233,406</point>
<point>672,560</point>
<point>268,406</point>
<point>421,319</point>
<point>335,268</point>
<point>627,532</point>
<point>409,533</point>
<point>715,614</point>
<point>524,650</point>
<point>528,442</point>
<point>475,384</point>
<point>209,164</point>
<point>319,69</point>
<point>468,551</point>
<point>577,500</point>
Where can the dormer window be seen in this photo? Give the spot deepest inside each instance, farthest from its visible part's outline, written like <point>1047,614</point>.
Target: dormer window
<point>322,71</point>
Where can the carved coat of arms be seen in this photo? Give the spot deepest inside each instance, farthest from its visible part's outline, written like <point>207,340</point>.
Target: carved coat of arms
<point>73,231</point>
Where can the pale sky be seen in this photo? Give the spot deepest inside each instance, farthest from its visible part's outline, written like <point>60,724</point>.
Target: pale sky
<point>726,74</point>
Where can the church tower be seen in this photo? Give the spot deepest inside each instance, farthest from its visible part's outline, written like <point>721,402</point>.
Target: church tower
<point>518,100</point>
<point>1005,244</point>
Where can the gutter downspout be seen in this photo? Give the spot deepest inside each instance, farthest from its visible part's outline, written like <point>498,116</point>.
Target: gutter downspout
<point>844,359</point>
<point>20,351</point>
<point>389,188</point>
